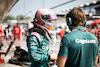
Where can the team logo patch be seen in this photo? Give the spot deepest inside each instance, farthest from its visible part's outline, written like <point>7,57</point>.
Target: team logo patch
<point>84,41</point>
<point>45,47</point>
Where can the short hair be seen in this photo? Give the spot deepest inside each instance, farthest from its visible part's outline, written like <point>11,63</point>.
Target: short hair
<point>77,15</point>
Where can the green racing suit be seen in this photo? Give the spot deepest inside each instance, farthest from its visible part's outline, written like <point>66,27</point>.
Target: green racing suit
<point>38,50</point>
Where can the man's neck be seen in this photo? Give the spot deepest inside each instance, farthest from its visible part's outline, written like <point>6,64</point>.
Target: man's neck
<point>72,27</point>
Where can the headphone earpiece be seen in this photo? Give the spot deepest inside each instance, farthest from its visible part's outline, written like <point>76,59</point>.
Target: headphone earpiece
<point>84,23</point>
<point>69,21</point>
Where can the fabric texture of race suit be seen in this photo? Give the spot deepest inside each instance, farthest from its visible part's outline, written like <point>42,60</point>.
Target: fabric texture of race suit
<point>38,50</point>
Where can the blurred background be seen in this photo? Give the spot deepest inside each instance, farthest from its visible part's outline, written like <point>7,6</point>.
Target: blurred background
<point>16,17</point>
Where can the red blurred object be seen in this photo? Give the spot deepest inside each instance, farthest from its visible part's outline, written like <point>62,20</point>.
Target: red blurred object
<point>62,33</point>
<point>17,32</point>
<point>1,37</point>
<point>96,21</point>
<point>95,25</point>
<point>51,33</point>
<point>1,32</point>
<point>1,60</point>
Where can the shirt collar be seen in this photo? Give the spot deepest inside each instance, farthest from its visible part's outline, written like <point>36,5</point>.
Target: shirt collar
<point>79,28</point>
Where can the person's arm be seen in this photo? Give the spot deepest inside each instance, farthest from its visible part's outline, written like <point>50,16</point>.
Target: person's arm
<point>96,60</point>
<point>61,61</point>
<point>63,52</point>
<point>97,54</point>
<point>35,53</point>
